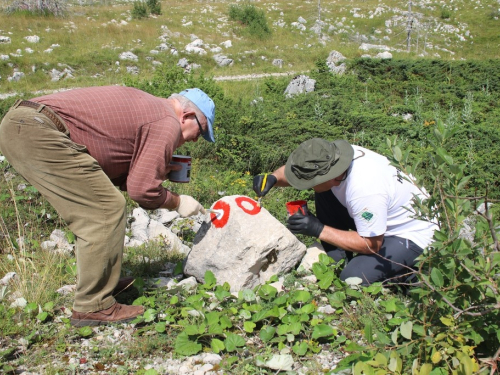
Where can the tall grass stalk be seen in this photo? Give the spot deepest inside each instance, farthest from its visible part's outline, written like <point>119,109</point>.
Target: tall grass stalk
<point>38,272</point>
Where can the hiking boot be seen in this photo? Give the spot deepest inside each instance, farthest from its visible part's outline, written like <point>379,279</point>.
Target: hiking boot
<point>123,284</point>
<point>117,313</point>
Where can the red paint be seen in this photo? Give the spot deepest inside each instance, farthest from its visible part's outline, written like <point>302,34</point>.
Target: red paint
<point>225,208</point>
<point>255,206</point>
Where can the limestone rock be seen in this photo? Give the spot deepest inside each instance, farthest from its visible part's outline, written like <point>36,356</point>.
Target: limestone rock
<point>243,246</point>
<point>312,255</point>
<point>335,62</point>
<point>299,85</point>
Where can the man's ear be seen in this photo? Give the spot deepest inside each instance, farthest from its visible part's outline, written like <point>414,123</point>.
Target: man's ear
<point>187,114</point>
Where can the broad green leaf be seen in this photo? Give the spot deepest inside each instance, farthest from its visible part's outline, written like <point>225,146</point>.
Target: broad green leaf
<point>326,281</point>
<point>465,362</point>
<point>306,309</point>
<point>149,315</point>
<point>225,322</point>
<point>210,279</point>
<point>319,270</point>
<point>233,341</point>
<point>406,329</point>
<point>249,326</point>
<point>397,153</point>
<point>85,331</point>
<point>325,259</point>
<point>160,327</point>
<point>42,316</point>
<point>381,359</point>
<point>283,329</point>
<point>192,329</point>
<point>151,371</point>
<point>217,346</point>
<point>323,330</point>
<point>221,294</point>
<point>212,317</point>
<point>300,348</point>
<point>301,296</point>
<point>267,291</point>
<point>185,346</point>
<point>174,300</point>
<point>425,369</point>
<point>395,362</point>
<point>70,236</point>
<point>394,336</point>
<point>247,294</point>
<point>437,277</point>
<point>245,314</point>
<point>267,333</point>
<point>295,328</point>
<point>215,329</point>
<point>281,362</point>
<point>436,357</point>
<point>258,316</point>
<point>446,320</point>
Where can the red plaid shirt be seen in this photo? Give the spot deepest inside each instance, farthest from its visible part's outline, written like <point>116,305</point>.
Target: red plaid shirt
<point>130,133</point>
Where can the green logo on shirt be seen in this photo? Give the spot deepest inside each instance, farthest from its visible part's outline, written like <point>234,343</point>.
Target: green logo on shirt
<point>367,215</point>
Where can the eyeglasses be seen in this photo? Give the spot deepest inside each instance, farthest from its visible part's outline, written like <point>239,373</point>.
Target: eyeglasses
<point>202,132</point>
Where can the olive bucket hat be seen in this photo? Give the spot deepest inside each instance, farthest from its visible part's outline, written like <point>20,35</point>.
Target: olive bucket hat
<point>316,161</point>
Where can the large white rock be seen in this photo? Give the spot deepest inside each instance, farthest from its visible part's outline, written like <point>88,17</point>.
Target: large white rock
<point>299,85</point>
<point>336,62</point>
<point>244,245</point>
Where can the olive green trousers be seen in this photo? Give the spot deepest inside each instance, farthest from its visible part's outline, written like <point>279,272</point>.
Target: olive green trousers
<point>75,185</point>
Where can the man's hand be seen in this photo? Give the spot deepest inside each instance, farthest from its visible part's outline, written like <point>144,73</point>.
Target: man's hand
<point>257,184</point>
<point>305,224</point>
<point>188,206</point>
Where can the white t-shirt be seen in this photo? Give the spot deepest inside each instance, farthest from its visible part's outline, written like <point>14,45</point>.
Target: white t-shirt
<point>375,194</point>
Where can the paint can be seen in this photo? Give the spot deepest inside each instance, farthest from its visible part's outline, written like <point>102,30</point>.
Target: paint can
<point>182,175</point>
<point>296,206</point>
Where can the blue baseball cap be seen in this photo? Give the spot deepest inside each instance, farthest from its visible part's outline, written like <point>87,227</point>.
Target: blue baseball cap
<point>206,106</point>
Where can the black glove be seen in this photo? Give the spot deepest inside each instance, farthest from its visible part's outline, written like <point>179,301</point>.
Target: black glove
<point>305,224</point>
<point>257,184</point>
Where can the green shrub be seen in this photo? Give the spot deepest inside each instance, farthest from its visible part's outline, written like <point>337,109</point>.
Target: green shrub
<point>253,18</point>
<point>139,10</point>
<point>154,7</point>
<point>445,13</point>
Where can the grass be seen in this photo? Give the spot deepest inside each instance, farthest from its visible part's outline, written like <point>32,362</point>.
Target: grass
<point>91,36</point>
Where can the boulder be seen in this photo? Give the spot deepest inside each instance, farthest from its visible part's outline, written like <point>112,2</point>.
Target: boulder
<point>335,62</point>
<point>242,244</point>
<point>299,85</point>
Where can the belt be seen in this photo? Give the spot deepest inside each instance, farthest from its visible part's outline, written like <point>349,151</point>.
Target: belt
<point>44,110</point>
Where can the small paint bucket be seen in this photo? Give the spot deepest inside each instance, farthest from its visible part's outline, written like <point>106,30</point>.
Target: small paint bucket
<point>183,174</point>
<point>296,206</point>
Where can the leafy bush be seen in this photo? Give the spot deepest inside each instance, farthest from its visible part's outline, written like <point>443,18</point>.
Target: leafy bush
<point>253,18</point>
<point>154,7</point>
<point>139,10</point>
<point>445,13</point>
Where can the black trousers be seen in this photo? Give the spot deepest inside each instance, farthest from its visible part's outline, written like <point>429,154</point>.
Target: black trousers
<point>394,260</point>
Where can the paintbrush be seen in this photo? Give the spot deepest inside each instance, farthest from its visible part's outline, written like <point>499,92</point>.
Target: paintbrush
<point>261,189</point>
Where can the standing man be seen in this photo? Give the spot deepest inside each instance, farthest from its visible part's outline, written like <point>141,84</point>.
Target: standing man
<point>361,203</point>
<point>75,147</point>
